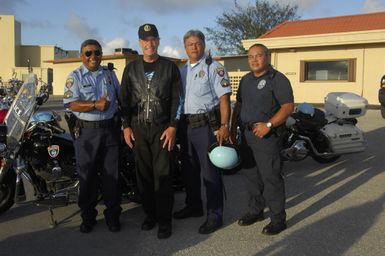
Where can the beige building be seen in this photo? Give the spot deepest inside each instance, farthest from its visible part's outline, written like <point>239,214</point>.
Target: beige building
<point>335,54</point>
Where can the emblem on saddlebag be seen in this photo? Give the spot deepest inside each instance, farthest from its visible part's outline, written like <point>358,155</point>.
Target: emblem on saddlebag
<point>53,150</point>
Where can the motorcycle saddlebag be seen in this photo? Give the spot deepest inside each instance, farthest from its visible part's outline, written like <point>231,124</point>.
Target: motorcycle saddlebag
<point>346,138</point>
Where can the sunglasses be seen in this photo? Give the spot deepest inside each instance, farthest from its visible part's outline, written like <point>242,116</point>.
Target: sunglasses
<point>97,53</point>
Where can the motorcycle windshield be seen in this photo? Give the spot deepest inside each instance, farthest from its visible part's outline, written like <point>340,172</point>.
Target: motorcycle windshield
<point>21,111</point>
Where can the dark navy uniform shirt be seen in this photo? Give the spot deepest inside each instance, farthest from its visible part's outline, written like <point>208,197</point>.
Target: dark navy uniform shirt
<point>261,97</point>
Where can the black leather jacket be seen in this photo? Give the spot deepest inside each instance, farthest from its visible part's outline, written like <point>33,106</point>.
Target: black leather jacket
<point>155,103</point>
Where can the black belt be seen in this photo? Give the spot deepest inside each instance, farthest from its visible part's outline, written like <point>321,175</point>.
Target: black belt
<point>196,120</point>
<point>109,123</point>
<point>195,117</point>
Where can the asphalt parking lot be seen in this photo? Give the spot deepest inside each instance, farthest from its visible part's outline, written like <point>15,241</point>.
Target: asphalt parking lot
<point>333,209</point>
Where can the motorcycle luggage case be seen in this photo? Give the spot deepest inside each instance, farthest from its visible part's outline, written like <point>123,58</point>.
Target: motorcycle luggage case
<point>346,138</point>
<point>345,104</point>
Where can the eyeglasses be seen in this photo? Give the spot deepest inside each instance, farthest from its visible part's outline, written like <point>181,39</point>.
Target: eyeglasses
<point>97,53</point>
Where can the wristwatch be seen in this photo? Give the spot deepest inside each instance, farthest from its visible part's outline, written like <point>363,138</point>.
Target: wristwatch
<point>225,125</point>
<point>269,125</point>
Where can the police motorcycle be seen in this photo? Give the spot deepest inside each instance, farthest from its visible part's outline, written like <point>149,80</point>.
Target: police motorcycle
<point>36,148</point>
<point>325,135</point>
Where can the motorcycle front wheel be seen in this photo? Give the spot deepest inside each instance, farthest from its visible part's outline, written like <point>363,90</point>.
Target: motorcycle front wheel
<point>7,191</point>
<point>325,159</point>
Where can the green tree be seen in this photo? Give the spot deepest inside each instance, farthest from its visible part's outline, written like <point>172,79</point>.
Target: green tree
<point>248,23</point>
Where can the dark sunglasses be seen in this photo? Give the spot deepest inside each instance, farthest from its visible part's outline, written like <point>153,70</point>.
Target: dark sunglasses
<point>96,52</point>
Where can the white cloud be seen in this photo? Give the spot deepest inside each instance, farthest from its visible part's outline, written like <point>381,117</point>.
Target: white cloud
<point>303,5</point>
<point>109,47</point>
<point>373,6</point>
<point>79,27</point>
<point>170,51</point>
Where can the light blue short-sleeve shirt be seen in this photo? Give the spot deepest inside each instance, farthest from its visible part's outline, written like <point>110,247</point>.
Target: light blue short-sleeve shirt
<point>84,85</point>
<point>203,85</point>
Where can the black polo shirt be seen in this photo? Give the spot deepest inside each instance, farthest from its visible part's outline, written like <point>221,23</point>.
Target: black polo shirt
<point>261,97</point>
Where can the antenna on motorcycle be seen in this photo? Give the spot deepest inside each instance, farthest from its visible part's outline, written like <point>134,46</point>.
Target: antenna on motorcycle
<point>110,66</point>
<point>209,59</point>
<point>29,65</point>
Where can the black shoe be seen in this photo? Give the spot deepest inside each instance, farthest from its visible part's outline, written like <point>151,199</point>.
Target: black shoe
<point>87,226</point>
<point>148,224</point>
<point>164,231</point>
<point>187,212</point>
<point>274,228</point>
<point>250,218</point>
<point>113,226</point>
<point>210,225</point>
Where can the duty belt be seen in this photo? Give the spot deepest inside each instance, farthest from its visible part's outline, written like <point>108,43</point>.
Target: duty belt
<point>196,120</point>
<point>109,123</point>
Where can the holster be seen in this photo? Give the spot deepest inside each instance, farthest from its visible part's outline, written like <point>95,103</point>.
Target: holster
<point>73,126</point>
<point>280,131</point>
<point>214,118</point>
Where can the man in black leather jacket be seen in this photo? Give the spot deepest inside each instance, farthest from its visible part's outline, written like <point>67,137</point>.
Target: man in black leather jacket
<point>149,102</point>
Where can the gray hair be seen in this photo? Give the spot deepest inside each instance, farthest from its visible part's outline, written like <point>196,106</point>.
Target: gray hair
<point>196,33</point>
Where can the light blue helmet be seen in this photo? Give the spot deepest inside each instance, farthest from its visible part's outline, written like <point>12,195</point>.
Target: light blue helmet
<point>225,156</point>
<point>306,108</point>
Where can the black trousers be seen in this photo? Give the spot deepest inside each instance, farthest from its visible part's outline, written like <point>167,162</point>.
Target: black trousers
<point>97,158</point>
<point>264,181</point>
<point>153,166</point>
<point>195,143</point>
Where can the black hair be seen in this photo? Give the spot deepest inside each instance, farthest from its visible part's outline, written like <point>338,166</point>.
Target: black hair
<point>265,49</point>
<point>90,42</point>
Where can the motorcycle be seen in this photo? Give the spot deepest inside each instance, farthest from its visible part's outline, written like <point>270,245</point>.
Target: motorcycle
<point>34,146</point>
<point>325,135</point>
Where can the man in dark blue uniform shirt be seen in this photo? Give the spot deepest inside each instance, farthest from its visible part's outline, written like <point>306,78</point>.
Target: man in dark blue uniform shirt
<point>91,93</point>
<point>264,102</point>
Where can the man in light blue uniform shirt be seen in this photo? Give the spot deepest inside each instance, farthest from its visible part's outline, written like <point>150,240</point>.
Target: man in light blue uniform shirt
<point>204,117</point>
<point>91,93</point>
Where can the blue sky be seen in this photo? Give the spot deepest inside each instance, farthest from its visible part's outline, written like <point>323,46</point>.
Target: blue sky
<point>66,23</point>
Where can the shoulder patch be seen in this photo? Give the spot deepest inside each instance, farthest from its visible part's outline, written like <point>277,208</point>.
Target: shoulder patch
<point>225,82</point>
<point>220,71</point>
<point>68,94</point>
<point>69,82</point>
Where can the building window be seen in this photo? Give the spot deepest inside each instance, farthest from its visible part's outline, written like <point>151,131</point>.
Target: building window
<point>328,70</point>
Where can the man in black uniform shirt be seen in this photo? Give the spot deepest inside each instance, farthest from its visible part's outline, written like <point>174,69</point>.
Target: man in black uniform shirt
<point>264,102</point>
<point>149,100</point>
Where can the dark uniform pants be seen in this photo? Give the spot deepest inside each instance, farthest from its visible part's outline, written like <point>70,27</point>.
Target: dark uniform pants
<point>264,182</point>
<point>97,150</point>
<point>153,166</point>
<point>195,143</point>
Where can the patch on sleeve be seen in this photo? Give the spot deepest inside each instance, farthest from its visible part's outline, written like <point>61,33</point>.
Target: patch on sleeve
<point>69,82</point>
<point>68,94</point>
<point>220,71</point>
<point>225,82</point>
